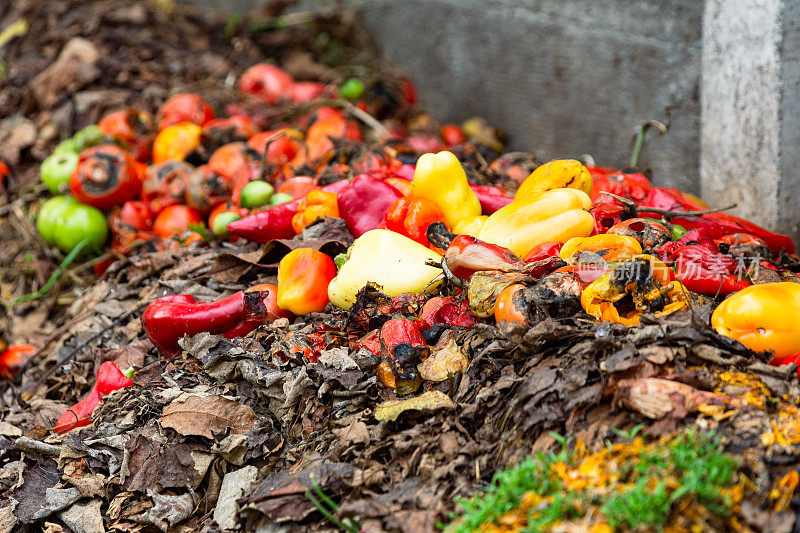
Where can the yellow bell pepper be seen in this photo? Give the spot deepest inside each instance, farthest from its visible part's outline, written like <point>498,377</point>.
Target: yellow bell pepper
<point>441,179</point>
<point>602,247</point>
<point>393,261</point>
<point>556,215</point>
<point>762,317</point>
<point>470,225</point>
<point>559,174</point>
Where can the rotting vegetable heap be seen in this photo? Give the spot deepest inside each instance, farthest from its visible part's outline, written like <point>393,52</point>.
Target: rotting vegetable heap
<point>412,283</point>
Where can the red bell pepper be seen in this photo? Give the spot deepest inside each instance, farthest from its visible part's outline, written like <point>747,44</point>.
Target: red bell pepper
<point>543,251</point>
<point>363,203</point>
<point>109,378</point>
<point>633,186</point>
<point>445,310</point>
<point>411,216</point>
<point>491,198</point>
<point>169,318</point>
<point>402,346</point>
<point>275,222</point>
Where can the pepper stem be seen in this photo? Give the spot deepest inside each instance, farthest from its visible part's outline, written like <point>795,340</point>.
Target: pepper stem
<point>639,143</point>
<point>128,372</point>
<point>57,274</point>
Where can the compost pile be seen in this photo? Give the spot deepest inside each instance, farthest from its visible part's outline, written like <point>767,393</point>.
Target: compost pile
<point>398,311</point>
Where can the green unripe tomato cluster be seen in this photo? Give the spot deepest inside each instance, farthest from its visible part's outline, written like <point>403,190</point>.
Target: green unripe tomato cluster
<point>64,222</point>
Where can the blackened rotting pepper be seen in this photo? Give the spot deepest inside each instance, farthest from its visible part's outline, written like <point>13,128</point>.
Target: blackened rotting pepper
<point>169,318</point>
<point>402,348</point>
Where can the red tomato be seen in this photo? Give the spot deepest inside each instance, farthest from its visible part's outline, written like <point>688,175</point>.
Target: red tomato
<point>229,159</point>
<point>184,107</point>
<point>268,82</point>
<point>106,176</point>
<point>298,186</point>
<point>175,219</point>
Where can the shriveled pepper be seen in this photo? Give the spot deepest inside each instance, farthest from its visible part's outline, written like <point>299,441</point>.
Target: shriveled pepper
<point>651,234</point>
<point>168,319</point>
<point>559,174</point>
<point>543,251</point>
<point>441,179</point>
<point>637,286</point>
<point>386,258</point>
<point>634,186</point>
<point>364,202</point>
<point>402,349</point>
<point>762,317</point>
<point>316,204</point>
<point>303,278</point>
<point>555,215</point>
<point>109,379</point>
<point>467,255</point>
<point>411,216</point>
<point>597,248</point>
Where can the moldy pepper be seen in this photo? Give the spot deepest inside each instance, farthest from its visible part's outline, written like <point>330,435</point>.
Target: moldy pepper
<point>762,317</point>
<point>105,176</point>
<point>598,248</point>
<point>555,215</point>
<point>364,202</point>
<point>168,319</point>
<point>109,378</point>
<point>303,278</point>
<point>441,179</point>
<point>650,233</point>
<point>637,286</point>
<point>402,348</point>
<point>165,184</point>
<point>316,204</point>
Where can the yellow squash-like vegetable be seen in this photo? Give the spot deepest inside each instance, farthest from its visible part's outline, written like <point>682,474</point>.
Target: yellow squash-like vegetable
<point>559,174</point>
<point>441,179</point>
<point>555,215</point>
<point>762,317</point>
<point>393,261</point>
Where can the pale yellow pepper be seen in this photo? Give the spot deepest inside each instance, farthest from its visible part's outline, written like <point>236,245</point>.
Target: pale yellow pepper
<point>441,179</point>
<point>556,215</point>
<point>559,174</point>
<point>393,261</point>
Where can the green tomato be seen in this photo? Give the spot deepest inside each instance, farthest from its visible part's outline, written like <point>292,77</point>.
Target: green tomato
<point>79,222</point>
<point>280,198</point>
<point>55,171</point>
<point>255,194</point>
<point>221,221</point>
<point>88,137</point>
<point>67,145</point>
<point>63,222</point>
<point>47,221</point>
<point>351,89</point>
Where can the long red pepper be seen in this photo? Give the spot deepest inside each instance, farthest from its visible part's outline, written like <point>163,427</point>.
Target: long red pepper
<point>363,203</point>
<point>169,318</point>
<point>275,222</point>
<point>109,378</point>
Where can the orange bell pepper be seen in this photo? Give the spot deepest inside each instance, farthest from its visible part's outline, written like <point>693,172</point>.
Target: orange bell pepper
<point>602,247</point>
<point>762,317</point>
<point>411,216</point>
<point>303,278</point>
<point>316,204</point>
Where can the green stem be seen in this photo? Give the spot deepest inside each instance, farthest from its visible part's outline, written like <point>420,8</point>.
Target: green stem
<point>639,143</point>
<point>57,274</point>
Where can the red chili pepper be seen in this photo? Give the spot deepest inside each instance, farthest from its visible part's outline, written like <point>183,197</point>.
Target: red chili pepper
<point>13,358</point>
<point>109,378</point>
<point>105,176</point>
<point>543,251</point>
<point>491,198</point>
<point>275,222</point>
<point>169,318</point>
<point>364,202</point>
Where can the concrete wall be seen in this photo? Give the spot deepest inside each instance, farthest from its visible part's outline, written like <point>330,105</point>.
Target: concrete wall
<point>568,78</point>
